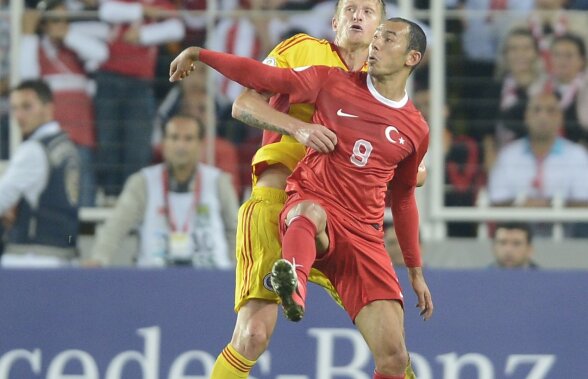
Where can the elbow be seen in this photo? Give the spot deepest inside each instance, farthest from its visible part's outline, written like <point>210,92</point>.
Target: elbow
<point>237,110</point>
<point>240,105</point>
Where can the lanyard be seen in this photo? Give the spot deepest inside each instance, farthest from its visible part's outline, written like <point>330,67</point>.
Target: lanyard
<point>168,210</point>
<point>538,180</point>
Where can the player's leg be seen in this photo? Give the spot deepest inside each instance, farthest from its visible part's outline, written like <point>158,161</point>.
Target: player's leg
<point>370,290</point>
<point>258,248</point>
<point>305,227</point>
<point>381,324</point>
<point>254,327</point>
<point>255,324</point>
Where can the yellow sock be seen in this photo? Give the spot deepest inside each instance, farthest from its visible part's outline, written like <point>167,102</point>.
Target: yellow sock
<point>231,365</point>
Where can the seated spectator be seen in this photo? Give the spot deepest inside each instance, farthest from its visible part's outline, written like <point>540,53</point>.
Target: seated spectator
<point>59,55</point>
<point>462,168</point>
<point>522,78</point>
<point>189,97</point>
<point>541,168</point>
<point>513,246</point>
<point>244,36</point>
<point>482,32</point>
<point>125,99</point>
<point>39,190</point>
<point>550,19</point>
<point>186,212</point>
<point>570,83</point>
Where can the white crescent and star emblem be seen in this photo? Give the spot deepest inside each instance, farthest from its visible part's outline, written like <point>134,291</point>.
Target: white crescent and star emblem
<point>389,131</point>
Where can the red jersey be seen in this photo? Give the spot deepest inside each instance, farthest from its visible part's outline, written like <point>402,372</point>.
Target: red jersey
<point>379,140</point>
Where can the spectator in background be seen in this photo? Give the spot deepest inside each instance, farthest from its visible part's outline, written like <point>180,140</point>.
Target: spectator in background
<point>125,99</point>
<point>462,168</point>
<point>513,246</point>
<point>569,81</point>
<point>550,19</point>
<point>522,77</point>
<point>247,37</point>
<point>482,32</point>
<point>40,189</point>
<point>189,97</point>
<point>542,168</point>
<point>186,212</point>
<point>59,55</point>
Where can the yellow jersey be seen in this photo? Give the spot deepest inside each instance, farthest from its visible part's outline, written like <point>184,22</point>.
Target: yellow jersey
<point>298,51</point>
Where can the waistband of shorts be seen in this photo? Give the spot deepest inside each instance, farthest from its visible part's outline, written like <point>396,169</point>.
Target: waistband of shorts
<point>270,194</point>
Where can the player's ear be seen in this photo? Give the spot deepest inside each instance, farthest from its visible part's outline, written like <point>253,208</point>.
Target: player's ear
<point>413,58</point>
<point>334,23</point>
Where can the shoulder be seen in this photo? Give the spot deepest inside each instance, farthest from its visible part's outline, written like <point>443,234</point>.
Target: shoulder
<point>299,50</point>
<point>515,148</point>
<point>415,116</point>
<point>300,41</point>
<point>573,150</point>
<point>149,172</point>
<point>30,151</point>
<point>206,169</point>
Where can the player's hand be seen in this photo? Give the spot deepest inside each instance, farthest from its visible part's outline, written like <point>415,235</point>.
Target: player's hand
<point>317,137</point>
<point>183,65</point>
<point>425,301</point>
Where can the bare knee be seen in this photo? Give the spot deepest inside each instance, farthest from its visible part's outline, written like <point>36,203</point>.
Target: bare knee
<point>311,210</point>
<point>255,324</point>
<point>251,339</point>
<point>393,360</point>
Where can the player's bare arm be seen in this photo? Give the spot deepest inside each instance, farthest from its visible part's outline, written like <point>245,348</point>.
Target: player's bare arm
<point>255,111</point>
<point>252,108</point>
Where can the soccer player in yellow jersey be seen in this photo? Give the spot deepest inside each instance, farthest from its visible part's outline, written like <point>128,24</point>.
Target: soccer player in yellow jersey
<point>258,244</point>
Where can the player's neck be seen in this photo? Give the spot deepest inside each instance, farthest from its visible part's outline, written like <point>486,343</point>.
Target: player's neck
<point>354,56</point>
<point>392,87</point>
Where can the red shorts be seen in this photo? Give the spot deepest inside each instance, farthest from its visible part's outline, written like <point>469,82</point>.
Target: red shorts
<point>356,262</point>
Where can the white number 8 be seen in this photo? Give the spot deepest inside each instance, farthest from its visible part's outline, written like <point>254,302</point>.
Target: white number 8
<point>361,152</point>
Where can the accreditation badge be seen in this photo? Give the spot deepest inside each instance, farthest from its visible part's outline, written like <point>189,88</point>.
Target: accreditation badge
<point>179,246</point>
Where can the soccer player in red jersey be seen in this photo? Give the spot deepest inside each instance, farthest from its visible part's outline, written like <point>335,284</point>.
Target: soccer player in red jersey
<point>334,213</point>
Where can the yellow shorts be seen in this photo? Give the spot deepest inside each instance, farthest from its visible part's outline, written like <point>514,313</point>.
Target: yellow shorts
<point>258,247</point>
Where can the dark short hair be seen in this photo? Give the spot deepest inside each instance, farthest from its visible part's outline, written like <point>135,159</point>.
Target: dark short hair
<point>417,40</point>
<point>197,121</point>
<point>573,39</point>
<point>514,225</point>
<point>40,87</point>
<point>521,32</point>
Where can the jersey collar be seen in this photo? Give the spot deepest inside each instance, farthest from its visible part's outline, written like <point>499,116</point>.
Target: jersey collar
<point>382,99</point>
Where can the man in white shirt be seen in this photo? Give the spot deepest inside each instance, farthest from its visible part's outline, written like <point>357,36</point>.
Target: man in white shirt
<point>185,211</point>
<point>541,168</point>
<point>40,189</point>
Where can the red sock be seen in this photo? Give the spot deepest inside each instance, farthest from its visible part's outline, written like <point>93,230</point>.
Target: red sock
<point>380,376</point>
<point>299,247</point>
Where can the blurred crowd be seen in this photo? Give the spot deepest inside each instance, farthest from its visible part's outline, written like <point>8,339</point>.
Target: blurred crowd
<point>516,117</point>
